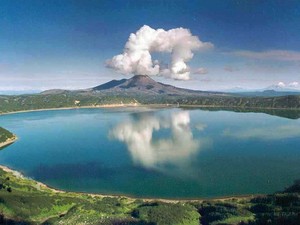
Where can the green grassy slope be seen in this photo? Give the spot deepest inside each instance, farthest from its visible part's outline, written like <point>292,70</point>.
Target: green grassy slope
<point>46,101</point>
<point>24,201</point>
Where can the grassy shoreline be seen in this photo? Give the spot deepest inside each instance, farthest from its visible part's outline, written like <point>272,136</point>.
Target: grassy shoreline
<point>26,201</point>
<point>146,199</point>
<point>62,204</point>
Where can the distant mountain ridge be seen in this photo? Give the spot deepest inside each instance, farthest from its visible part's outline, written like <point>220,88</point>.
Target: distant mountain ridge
<point>145,85</point>
<point>269,88</point>
<point>270,91</point>
<point>281,88</point>
<point>143,90</point>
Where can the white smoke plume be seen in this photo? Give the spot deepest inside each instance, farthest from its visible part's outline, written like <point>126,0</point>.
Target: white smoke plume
<point>137,59</point>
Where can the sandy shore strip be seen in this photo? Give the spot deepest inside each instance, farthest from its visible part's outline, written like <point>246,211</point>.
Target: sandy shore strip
<point>75,107</point>
<point>138,105</point>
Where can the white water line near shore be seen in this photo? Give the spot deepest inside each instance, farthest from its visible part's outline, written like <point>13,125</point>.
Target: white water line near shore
<point>75,107</point>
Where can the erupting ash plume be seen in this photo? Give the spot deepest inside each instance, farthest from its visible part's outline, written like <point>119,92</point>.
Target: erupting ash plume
<point>136,58</point>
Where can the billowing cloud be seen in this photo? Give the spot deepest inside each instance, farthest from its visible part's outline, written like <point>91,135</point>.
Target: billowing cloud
<point>155,153</point>
<point>279,55</point>
<point>136,57</point>
<point>291,85</point>
<point>200,71</point>
<point>281,84</point>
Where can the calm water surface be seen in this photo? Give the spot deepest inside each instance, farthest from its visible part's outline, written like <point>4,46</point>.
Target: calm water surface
<point>170,153</point>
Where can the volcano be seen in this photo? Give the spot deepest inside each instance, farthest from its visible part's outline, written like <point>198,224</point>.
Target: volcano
<point>143,84</point>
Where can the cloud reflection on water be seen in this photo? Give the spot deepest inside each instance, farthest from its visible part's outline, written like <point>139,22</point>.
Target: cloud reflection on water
<point>157,153</point>
<point>266,133</point>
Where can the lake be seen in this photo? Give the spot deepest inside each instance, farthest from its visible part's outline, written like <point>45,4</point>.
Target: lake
<point>166,153</point>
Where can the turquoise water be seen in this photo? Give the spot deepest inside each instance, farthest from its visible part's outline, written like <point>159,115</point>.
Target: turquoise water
<point>169,153</point>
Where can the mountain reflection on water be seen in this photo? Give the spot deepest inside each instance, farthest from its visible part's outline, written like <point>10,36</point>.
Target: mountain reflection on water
<point>150,152</point>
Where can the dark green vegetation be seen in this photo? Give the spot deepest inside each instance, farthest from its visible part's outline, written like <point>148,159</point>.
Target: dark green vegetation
<point>80,99</point>
<point>142,90</point>
<point>32,203</point>
<point>5,135</point>
<point>282,208</point>
<point>47,101</point>
<point>24,201</point>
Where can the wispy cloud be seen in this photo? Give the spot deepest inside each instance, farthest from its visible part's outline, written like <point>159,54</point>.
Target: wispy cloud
<point>200,71</point>
<point>200,126</point>
<point>279,55</point>
<point>230,69</point>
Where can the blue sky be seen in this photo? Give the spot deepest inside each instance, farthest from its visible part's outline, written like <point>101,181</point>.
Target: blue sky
<point>65,43</point>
